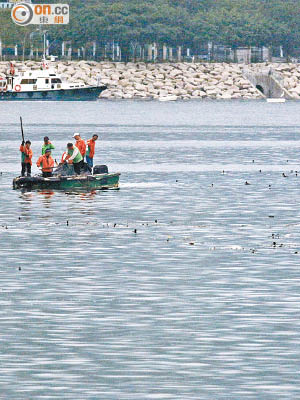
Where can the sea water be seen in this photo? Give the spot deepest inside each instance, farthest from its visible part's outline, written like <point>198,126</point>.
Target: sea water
<point>184,284</point>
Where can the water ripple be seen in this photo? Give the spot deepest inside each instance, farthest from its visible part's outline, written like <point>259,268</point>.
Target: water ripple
<point>182,285</point>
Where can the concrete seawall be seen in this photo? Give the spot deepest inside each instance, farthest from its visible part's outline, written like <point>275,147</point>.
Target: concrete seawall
<point>183,81</point>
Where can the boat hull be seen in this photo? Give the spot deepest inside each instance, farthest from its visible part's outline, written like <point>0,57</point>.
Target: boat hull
<point>69,183</point>
<point>88,93</point>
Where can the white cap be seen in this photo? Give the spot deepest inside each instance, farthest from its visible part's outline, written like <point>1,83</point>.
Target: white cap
<point>76,134</point>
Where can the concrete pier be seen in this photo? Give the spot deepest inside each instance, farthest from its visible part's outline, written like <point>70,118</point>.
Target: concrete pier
<point>269,83</point>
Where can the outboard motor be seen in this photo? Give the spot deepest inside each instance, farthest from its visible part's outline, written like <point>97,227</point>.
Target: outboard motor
<point>100,169</point>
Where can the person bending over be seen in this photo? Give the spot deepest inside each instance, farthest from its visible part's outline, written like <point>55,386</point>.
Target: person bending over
<point>74,156</point>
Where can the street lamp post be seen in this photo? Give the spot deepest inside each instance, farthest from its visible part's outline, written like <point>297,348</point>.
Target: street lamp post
<point>44,33</point>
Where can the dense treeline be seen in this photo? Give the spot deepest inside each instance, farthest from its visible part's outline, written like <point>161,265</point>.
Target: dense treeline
<point>189,23</point>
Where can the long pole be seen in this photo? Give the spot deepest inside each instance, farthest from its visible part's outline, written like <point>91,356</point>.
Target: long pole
<point>44,45</point>
<point>23,140</point>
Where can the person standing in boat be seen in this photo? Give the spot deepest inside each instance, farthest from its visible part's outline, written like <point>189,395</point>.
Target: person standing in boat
<point>74,156</point>
<point>80,144</point>
<point>26,159</point>
<point>91,150</point>
<point>47,145</point>
<point>47,163</point>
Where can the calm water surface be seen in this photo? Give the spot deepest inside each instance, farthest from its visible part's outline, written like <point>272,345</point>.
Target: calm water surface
<point>202,302</point>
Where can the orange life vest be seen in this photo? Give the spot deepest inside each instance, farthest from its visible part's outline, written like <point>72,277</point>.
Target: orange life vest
<point>80,144</point>
<point>27,154</point>
<point>91,145</point>
<point>47,163</point>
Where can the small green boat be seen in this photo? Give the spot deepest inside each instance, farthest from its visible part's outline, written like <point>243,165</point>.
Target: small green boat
<point>98,181</point>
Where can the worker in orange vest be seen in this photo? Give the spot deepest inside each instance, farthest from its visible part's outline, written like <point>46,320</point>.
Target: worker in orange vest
<point>91,150</point>
<point>26,159</point>
<point>80,144</point>
<point>47,163</point>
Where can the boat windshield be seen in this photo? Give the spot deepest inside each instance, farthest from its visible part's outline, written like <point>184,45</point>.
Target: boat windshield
<point>28,81</point>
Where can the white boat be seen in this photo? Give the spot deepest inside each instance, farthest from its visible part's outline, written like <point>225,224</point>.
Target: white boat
<point>168,98</point>
<point>44,84</point>
<point>280,100</point>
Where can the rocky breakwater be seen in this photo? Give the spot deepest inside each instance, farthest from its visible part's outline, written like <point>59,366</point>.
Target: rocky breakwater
<point>163,81</point>
<point>176,81</point>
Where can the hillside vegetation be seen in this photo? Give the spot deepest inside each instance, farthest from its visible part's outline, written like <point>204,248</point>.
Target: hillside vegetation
<point>187,23</point>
